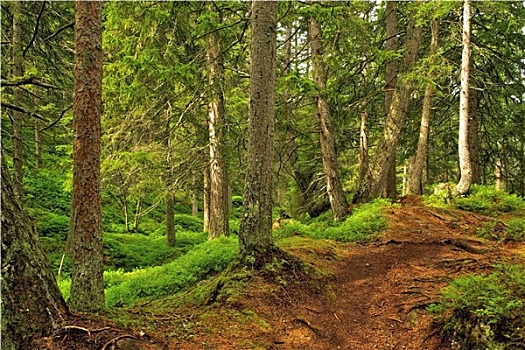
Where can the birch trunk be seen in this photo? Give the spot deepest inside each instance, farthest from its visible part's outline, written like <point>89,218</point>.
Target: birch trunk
<point>465,167</point>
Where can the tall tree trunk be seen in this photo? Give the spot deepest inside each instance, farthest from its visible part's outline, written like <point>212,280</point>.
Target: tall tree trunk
<point>465,167</point>
<point>18,144</point>
<point>87,287</point>
<point>32,305</point>
<point>363,145</point>
<point>415,176</point>
<point>389,189</point>
<point>255,234</point>
<point>138,213</point>
<point>170,201</point>
<point>333,183</point>
<point>126,212</point>
<point>206,198</point>
<point>373,186</point>
<point>218,220</point>
<point>194,203</point>
<point>473,137</point>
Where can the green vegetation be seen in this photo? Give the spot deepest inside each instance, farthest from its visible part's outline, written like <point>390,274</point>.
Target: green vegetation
<point>485,312</point>
<point>482,199</point>
<point>513,230</point>
<point>364,224</point>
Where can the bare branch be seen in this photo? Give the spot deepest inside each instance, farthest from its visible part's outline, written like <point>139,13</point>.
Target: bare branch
<point>20,109</point>
<point>26,81</point>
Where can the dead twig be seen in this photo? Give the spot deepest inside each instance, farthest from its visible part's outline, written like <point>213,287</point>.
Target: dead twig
<point>115,340</point>
<point>67,328</point>
<point>314,329</point>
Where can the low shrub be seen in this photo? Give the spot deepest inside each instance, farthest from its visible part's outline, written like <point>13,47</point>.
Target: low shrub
<point>204,260</point>
<point>365,222</point>
<point>489,201</point>
<point>132,251</point>
<point>485,311</point>
<point>516,230</point>
<point>189,223</point>
<point>50,224</point>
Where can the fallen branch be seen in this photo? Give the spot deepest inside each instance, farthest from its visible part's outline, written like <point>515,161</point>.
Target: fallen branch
<point>67,328</point>
<point>464,246</point>
<point>314,329</point>
<point>115,340</point>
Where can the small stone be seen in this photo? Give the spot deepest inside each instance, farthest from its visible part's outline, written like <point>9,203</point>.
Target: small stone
<point>367,264</point>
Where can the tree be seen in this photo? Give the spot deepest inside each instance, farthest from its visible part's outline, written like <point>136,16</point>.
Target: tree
<point>32,304</point>
<point>333,183</point>
<point>416,168</point>
<point>465,180</point>
<point>218,202</point>
<point>87,287</point>
<point>255,234</point>
<point>389,189</point>
<point>18,71</point>
<point>374,182</point>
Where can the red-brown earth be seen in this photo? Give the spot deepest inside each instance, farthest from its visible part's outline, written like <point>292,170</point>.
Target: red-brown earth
<point>370,296</point>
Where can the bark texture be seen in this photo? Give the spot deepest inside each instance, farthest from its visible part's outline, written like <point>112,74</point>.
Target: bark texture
<point>206,198</point>
<point>333,182</point>
<point>18,145</point>
<point>32,305</point>
<point>388,187</point>
<point>255,234</point>
<point>473,135</point>
<point>465,168</point>
<point>87,287</point>
<point>415,176</point>
<point>218,220</point>
<point>170,201</point>
<point>373,185</point>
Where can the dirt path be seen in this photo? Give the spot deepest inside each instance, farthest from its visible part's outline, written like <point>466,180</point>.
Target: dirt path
<point>375,298</point>
<point>381,289</point>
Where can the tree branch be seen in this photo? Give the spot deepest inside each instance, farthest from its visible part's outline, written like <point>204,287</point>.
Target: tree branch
<point>26,81</point>
<point>60,30</point>
<point>20,109</point>
<point>36,28</point>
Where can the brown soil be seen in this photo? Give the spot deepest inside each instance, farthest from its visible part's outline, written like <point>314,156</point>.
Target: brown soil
<point>375,297</point>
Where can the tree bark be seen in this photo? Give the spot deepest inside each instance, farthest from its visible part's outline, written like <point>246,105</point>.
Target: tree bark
<point>373,186</point>
<point>473,137</point>
<point>333,183</point>
<point>18,144</point>
<point>389,189</point>
<point>170,202</point>
<point>38,145</point>
<point>465,167</point>
<point>87,287</point>
<point>415,176</point>
<point>255,234</point>
<point>206,198</point>
<point>218,220</point>
<point>32,305</point>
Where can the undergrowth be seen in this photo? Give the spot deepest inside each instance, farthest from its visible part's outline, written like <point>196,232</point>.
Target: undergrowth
<point>365,223</point>
<point>481,199</point>
<point>485,311</point>
<point>204,260</point>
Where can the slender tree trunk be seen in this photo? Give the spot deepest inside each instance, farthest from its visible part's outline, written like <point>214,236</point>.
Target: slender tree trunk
<point>373,186</point>
<point>126,212</point>
<point>218,220</point>
<point>18,144</point>
<point>138,211</point>
<point>333,183</point>
<point>473,137</point>
<point>32,305</point>
<point>497,169</point>
<point>87,287</point>
<point>38,145</point>
<point>465,180</point>
<point>255,234</point>
<point>363,145</point>
<point>170,201</point>
<point>206,198</point>
<point>521,157</point>
<point>389,189</point>
<point>194,204</point>
<point>415,176</point>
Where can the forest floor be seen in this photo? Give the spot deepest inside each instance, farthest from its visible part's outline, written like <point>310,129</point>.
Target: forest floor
<point>370,296</point>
